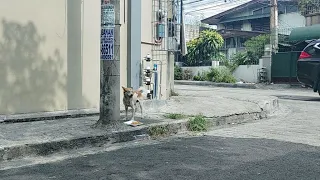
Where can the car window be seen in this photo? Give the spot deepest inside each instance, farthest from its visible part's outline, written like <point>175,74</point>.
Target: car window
<point>314,52</point>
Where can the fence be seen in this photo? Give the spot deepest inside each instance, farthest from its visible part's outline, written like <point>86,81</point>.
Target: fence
<point>283,67</point>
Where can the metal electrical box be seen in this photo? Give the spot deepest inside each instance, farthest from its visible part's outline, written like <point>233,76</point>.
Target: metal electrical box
<point>160,30</point>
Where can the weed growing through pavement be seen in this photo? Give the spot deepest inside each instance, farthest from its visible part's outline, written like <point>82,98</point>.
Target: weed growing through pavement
<point>174,116</point>
<point>198,123</point>
<point>158,131</point>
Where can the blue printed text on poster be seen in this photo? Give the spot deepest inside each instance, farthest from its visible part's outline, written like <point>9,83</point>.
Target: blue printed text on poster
<point>107,44</point>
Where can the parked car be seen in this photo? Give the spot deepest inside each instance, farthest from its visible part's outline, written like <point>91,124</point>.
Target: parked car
<point>308,66</point>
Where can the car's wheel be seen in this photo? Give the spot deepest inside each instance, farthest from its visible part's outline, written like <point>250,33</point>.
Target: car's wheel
<point>316,86</point>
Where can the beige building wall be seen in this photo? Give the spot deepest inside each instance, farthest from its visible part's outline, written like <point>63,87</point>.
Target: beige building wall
<point>33,56</point>
<point>49,54</point>
<point>147,46</point>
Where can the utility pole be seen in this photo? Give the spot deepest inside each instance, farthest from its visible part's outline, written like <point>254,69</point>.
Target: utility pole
<point>181,21</point>
<point>110,62</point>
<point>274,25</point>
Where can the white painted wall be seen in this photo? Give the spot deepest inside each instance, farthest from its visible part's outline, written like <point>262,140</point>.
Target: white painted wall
<point>249,73</point>
<point>197,69</point>
<point>289,21</point>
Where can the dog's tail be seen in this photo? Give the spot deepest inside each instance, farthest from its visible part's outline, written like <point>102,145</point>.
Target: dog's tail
<point>143,93</point>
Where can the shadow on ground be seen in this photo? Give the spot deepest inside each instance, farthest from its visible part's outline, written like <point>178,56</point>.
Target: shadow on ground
<point>298,98</point>
<point>191,158</point>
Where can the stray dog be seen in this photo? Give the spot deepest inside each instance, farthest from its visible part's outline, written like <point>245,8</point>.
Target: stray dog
<point>131,98</point>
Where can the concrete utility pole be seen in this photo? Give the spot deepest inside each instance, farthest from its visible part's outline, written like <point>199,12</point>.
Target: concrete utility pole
<point>274,25</point>
<point>110,62</point>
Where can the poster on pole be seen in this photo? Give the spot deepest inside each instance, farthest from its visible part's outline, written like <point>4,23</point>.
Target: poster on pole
<point>107,15</point>
<point>107,44</point>
<point>107,31</point>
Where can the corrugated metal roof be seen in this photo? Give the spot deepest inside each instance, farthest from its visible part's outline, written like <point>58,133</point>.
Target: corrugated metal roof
<point>195,10</point>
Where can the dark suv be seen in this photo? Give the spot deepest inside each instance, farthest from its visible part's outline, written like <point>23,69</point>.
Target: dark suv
<point>308,66</point>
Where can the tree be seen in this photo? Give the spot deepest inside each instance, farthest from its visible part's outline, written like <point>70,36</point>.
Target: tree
<point>255,46</point>
<point>304,4</point>
<point>204,48</point>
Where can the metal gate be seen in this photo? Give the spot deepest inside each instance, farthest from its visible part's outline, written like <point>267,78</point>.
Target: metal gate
<point>284,67</point>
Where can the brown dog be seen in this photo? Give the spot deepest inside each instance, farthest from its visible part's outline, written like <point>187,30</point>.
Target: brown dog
<point>131,98</point>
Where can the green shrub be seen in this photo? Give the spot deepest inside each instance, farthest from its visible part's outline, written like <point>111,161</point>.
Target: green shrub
<point>200,76</point>
<point>157,131</point>
<point>240,58</point>
<point>198,123</point>
<point>187,74</point>
<point>255,46</point>
<point>174,116</point>
<point>221,74</point>
<point>178,74</point>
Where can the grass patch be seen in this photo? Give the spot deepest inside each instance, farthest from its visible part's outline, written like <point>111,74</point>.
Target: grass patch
<point>174,116</point>
<point>198,123</point>
<point>157,131</point>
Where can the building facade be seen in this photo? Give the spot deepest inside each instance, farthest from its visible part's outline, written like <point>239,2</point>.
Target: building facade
<point>50,53</point>
<point>251,19</point>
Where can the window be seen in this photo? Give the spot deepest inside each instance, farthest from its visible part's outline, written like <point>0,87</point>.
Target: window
<point>241,41</point>
<point>231,43</point>
<point>229,26</point>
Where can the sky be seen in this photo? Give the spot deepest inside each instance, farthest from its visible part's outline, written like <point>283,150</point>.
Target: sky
<point>195,10</point>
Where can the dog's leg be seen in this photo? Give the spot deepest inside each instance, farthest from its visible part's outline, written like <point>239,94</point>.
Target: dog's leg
<point>133,112</point>
<point>141,110</point>
<point>126,107</point>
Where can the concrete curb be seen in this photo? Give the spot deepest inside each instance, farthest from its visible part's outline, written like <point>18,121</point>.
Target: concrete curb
<point>152,106</point>
<point>246,86</point>
<point>47,148</point>
<point>29,117</point>
<point>208,83</point>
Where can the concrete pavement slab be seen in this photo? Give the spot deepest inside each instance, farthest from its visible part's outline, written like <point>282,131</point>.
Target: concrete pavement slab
<point>46,137</point>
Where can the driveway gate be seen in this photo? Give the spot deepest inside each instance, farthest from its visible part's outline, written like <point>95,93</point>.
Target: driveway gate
<point>284,67</point>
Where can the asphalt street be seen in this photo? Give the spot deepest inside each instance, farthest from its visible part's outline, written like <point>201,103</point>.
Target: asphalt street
<point>285,146</point>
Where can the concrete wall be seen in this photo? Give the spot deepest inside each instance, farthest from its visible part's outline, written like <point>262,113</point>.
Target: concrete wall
<point>197,69</point>
<point>34,71</point>
<point>49,55</point>
<point>312,20</point>
<point>249,73</point>
<point>246,72</point>
<point>289,21</point>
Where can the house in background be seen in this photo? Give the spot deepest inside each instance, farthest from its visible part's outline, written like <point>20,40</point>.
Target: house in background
<point>251,19</point>
<point>312,12</point>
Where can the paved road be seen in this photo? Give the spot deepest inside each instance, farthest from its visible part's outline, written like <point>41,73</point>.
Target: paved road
<point>285,146</point>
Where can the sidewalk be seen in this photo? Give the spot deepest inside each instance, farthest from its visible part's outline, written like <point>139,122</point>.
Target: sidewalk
<point>46,137</point>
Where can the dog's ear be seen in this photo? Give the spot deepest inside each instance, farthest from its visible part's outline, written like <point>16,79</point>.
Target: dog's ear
<point>124,89</point>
